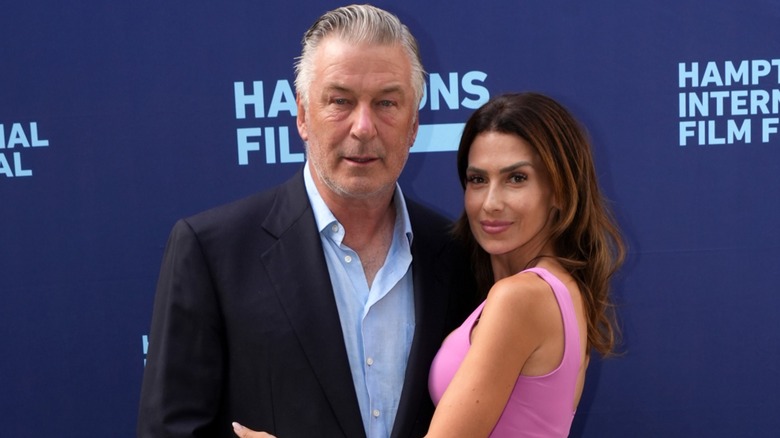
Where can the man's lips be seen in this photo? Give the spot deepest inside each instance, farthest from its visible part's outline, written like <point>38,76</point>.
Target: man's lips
<point>361,160</point>
<point>494,227</point>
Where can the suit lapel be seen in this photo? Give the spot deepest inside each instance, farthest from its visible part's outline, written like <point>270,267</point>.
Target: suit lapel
<point>297,268</point>
<point>430,304</point>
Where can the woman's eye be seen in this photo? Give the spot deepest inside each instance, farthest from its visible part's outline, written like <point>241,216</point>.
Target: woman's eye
<point>474,179</point>
<point>518,178</point>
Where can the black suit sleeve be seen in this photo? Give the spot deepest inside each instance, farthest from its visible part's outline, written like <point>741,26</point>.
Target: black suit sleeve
<point>184,370</point>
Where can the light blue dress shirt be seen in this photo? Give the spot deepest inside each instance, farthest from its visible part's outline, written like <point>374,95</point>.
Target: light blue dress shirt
<point>377,322</point>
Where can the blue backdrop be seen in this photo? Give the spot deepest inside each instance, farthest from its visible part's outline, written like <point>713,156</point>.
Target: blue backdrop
<point>117,118</point>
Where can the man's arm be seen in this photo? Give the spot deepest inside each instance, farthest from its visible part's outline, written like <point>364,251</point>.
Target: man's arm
<point>182,383</point>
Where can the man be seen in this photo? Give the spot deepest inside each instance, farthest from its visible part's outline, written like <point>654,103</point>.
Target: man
<point>315,308</point>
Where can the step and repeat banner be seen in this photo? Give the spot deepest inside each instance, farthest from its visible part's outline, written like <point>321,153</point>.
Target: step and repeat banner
<point>117,118</point>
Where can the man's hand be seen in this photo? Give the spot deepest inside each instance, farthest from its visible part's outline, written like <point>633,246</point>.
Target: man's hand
<point>244,432</point>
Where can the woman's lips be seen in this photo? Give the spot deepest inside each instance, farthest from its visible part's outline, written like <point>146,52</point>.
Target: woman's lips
<point>494,227</point>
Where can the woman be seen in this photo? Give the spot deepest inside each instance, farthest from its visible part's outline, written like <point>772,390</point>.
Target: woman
<point>545,245</point>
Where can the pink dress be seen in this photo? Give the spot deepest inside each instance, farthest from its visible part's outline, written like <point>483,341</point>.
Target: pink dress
<point>539,406</point>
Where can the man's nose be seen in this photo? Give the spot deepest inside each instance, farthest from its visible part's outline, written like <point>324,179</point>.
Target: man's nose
<point>363,125</point>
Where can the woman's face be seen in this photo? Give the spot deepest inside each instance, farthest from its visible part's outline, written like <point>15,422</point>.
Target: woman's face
<point>508,196</point>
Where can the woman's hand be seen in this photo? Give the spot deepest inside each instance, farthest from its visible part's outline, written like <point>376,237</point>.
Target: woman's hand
<point>244,432</point>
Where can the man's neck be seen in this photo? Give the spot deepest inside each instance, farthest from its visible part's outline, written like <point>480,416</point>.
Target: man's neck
<point>368,223</point>
<point>369,232</point>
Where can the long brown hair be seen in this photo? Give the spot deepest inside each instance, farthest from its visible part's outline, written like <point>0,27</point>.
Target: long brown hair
<point>585,235</point>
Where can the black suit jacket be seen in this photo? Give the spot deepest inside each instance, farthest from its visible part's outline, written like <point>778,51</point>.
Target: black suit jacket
<point>245,326</point>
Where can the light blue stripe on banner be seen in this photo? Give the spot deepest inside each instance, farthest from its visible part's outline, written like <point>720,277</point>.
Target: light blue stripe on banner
<point>441,137</point>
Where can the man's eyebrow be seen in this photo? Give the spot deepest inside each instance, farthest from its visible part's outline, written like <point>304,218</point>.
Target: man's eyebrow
<point>393,89</point>
<point>337,87</point>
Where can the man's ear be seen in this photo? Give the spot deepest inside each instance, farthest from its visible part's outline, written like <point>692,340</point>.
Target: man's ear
<point>415,129</point>
<point>301,118</point>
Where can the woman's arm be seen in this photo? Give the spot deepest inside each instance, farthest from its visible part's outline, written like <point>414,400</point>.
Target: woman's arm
<point>513,325</point>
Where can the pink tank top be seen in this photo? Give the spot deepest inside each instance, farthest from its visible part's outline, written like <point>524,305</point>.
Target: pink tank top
<point>539,406</point>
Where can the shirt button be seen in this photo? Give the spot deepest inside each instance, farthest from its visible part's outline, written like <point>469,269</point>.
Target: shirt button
<point>375,413</point>
<point>370,361</point>
<point>334,228</point>
<point>348,259</point>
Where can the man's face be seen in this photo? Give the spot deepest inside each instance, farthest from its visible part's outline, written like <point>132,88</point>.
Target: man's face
<point>361,118</point>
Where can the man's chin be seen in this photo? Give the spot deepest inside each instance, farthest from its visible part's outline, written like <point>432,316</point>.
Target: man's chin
<point>363,188</point>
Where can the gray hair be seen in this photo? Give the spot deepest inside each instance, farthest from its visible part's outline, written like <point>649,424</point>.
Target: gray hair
<point>358,24</point>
